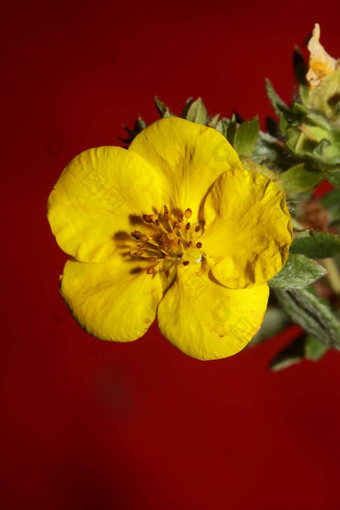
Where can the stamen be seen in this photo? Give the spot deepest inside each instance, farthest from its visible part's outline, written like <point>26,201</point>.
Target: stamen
<point>150,270</point>
<point>198,245</point>
<point>136,234</point>
<point>198,228</point>
<point>189,244</point>
<point>148,218</point>
<point>180,255</point>
<point>167,273</point>
<point>180,218</point>
<point>177,225</point>
<point>139,253</point>
<point>151,259</point>
<point>186,262</point>
<point>188,213</point>
<point>187,226</point>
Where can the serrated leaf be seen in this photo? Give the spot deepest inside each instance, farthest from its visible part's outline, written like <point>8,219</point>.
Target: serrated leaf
<point>301,178</point>
<point>314,349</point>
<point>161,107</point>
<point>290,355</point>
<point>319,245</point>
<point>197,112</point>
<point>298,272</point>
<point>311,313</point>
<point>277,103</point>
<point>246,136</point>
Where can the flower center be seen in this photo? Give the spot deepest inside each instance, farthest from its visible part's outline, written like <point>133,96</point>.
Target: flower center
<point>171,239</point>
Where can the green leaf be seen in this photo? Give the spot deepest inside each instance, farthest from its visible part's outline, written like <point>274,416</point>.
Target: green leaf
<point>300,68</point>
<point>222,126</point>
<point>301,178</point>
<point>231,130</point>
<point>331,201</point>
<point>188,103</point>
<point>314,349</point>
<point>298,272</point>
<point>275,321</point>
<point>289,356</point>
<point>299,108</point>
<point>311,313</point>
<point>161,107</point>
<point>334,178</point>
<point>277,103</point>
<point>246,136</point>
<point>268,151</point>
<point>139,125</point>
<point>214,121</point>
<point>318,245</point>
<point>197,112</point>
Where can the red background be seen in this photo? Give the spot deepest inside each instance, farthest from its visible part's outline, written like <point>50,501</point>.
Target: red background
<point>86,424</point>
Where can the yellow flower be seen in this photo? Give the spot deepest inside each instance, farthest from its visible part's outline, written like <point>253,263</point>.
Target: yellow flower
<point>173,227</point>
<point>320,63</point>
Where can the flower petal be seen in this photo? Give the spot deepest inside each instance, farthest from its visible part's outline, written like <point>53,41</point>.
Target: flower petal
<point>101,193</point>
<point>248,229</point>
<point>191,156</point>
<point>208,321</point>
<point>111,301</point>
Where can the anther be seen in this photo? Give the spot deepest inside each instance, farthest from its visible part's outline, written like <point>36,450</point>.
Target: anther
<point>180,218</point>
<point>139,253</point>
<point>187,226</point>
<point>176,224</point>
<point>188,213</point>
<point>190,244</point>
<point>166,212</point>
<point>151,259</point>
<point>186,262</point>
<point>148,218</point>
<point>180,255</point>
<point>167,273</point>
<point>198,228</point>
<point>136,234</point>
<point>198,245</point>
<point>150,270</point>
